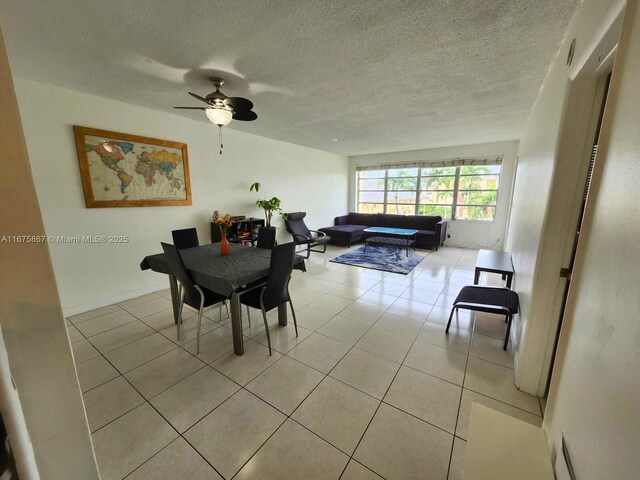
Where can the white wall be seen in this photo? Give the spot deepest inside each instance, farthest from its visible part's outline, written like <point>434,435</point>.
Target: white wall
<point>33,328</point>
<point>595,392</point>
<point>463,233</point>
<point>92,275</point>
<point>549,176</point>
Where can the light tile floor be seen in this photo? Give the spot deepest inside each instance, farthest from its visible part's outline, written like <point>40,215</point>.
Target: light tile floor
<point>372,387</point>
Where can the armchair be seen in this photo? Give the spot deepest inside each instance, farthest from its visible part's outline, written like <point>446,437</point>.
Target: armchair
<point>295,225</point>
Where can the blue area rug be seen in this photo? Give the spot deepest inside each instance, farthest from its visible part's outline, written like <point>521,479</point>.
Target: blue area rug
<point>387,259</point>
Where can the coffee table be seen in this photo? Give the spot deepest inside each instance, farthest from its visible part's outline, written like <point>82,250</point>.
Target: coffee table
<point>390,237</point>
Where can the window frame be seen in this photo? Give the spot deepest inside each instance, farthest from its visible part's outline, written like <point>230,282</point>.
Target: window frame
<point>383,191</point>
<point>456,191</point>
<point>387,190</point>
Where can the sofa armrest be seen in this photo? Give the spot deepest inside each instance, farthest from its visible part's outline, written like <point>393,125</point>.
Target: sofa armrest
<point>342,220</point>
<point>441,231</point>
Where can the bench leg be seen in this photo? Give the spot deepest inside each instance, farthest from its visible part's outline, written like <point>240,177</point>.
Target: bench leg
<point>450,317</point>
<point>506,337</point>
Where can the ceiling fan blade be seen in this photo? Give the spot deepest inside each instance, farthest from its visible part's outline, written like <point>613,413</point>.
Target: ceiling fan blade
<point>192,108</point>
<point>245,115</point>
<point>239,103</point>
<point>202,99</point>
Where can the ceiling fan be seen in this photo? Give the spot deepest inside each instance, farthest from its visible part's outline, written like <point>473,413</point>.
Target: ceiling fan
<point>220,109</point>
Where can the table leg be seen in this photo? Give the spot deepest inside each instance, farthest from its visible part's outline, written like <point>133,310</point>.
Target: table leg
<point>282,314</point>
<point>175,297</point>
<point>509,278</point>
<point>236,324</point>
<point>476,276</point>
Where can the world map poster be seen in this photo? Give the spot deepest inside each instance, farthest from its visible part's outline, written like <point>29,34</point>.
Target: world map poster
<point>121,170</point>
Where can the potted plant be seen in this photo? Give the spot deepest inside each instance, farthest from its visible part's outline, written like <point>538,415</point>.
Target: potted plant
<point>269,205</point>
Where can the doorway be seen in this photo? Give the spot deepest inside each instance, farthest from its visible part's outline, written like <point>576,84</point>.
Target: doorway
<point>591,150</point>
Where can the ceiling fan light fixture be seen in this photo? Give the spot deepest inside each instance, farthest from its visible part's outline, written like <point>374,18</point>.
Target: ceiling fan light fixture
<point>220,109</point>
<point>220,116</point>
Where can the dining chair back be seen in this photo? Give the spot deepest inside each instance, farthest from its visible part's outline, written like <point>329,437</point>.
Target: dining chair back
<point>185,238</point>
<point>216,233</point>
<point>266,238</point>
<point>176,264</point>
<point>190,293</point>
<point>275,291</point>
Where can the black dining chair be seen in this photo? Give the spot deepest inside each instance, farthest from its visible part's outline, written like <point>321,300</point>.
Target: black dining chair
<point>193,295</point>
<point>275,291</point>
<point>188,238</point>
<point>216,234</point>
<point>266,240</point>
<point>185,238</point>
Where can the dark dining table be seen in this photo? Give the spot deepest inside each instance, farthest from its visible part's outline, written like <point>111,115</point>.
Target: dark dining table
<point>225,275</point>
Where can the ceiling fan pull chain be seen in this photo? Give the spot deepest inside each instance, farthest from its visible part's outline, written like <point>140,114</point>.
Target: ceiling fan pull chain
<point>220,138</point>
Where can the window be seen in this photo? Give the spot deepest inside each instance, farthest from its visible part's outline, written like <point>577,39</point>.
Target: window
<point>402,186</point>
<point>458,190</point>
<point>477,192</point>
<point>437,188</point>
<point>371,186</point>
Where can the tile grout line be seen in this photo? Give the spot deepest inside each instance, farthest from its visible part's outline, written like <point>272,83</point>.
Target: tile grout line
<point>289,416</point>
<point>387,309</point>
<point>378,408</point>
<point>97,316</point>
<point>147,401</point>
<point>455,427</point>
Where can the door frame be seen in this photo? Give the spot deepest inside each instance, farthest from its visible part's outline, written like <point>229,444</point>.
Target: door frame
<point>577,210</point>
<point>588,81</point>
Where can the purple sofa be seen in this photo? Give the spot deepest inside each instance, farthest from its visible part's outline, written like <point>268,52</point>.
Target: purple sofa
<point>349,229</point>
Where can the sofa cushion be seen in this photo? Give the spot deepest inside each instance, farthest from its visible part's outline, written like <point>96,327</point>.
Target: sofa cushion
<point>422,222</point>
<point>390,220</point>
<point>345,234</point>
<point>345,228</point>
<point>367,219</point>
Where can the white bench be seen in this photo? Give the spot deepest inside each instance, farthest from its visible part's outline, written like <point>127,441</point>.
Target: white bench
<point>500,447</point>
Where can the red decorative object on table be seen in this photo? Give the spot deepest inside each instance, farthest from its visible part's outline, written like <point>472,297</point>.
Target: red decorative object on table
<point>224,223</point>
<point>224,245</point>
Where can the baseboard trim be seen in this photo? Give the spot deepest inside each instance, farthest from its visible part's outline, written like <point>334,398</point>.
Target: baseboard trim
<point>103,302</point>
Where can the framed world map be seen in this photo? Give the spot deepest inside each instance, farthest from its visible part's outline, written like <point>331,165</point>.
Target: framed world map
<point>121,170</point>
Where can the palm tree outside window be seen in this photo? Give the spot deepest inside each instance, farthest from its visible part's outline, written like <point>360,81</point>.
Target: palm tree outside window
<point>462,192</point>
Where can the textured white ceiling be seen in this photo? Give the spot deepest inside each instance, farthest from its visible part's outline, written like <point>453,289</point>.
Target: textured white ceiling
<point>377,75</point>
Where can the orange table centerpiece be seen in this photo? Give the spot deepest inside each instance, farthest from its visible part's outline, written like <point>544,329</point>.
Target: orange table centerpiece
<point>224,223</point>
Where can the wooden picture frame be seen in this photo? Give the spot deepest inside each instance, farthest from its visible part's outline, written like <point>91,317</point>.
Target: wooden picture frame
<point>122,170</point>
